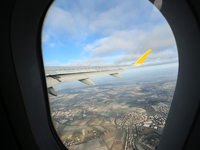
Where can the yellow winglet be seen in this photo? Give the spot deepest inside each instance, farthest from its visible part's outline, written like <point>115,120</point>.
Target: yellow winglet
<point>143,57</point>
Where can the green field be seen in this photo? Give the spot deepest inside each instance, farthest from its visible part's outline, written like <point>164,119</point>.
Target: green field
<point>119,135</point>
<point>97,130</point>
<point>150,130</point>
<point>152,113</point>
<point>102,143</point>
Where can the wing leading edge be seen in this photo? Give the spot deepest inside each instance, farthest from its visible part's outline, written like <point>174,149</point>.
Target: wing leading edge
<point>57,75</point>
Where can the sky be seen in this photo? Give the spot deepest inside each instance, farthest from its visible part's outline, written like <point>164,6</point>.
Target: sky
<point>100,33</point>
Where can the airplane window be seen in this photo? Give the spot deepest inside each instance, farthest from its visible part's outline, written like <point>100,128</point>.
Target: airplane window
<point>99,109</point>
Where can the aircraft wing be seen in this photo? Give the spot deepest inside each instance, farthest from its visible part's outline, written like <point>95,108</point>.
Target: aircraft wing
<point>57,75</point>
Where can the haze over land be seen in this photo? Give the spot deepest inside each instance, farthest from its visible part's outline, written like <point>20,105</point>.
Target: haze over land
<point>128,113</point>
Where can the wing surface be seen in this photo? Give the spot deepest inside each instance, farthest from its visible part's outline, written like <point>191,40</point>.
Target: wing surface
<point>57,75</point>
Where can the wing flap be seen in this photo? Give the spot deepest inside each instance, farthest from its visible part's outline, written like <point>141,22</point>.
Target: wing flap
<point>51,81</point>
<point>87,81</point>
<point>116,75</point>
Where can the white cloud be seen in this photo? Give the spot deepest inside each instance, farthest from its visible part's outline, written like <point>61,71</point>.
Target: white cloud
<point>52,44</point>
<point>175,62</point>
<point>45,37</point>
<point>134,42</point>
<point>60,20</point>
<point>52,63</point>
<point>87,62</point>
<point>161,57</point>
<point>84,19</point>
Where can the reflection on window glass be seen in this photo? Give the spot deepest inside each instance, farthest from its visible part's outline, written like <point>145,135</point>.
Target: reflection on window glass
<point>88,46</point>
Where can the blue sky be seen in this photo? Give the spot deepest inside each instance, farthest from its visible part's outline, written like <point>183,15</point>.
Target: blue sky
<point>114,32</point>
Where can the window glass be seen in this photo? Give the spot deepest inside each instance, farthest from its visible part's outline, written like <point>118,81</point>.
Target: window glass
<point>87,47</point>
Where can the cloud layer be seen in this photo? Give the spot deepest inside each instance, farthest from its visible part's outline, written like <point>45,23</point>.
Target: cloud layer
<point>134,41</point>
<point>107,33</point>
